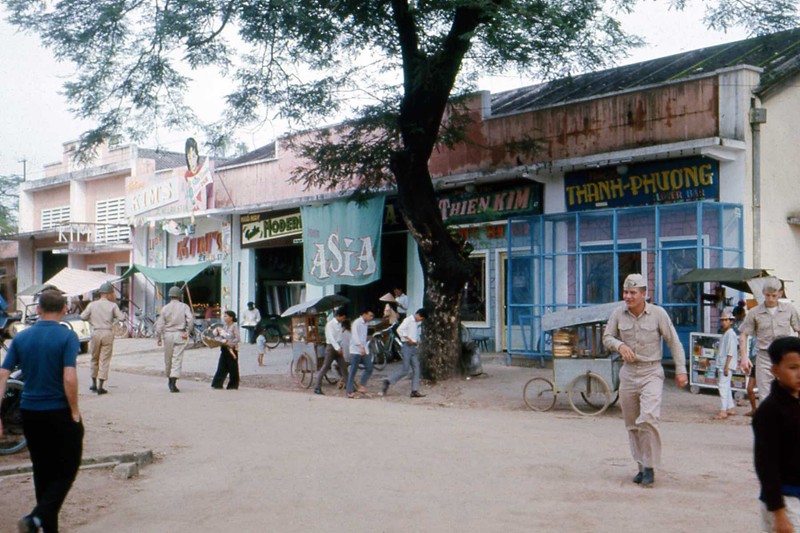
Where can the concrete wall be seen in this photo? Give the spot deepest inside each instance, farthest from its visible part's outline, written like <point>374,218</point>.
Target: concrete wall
<point>780,161</point>
<point>45,199</point>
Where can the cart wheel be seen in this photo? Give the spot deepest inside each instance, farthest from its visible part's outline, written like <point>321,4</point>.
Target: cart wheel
<point>303,371</point>
<point>694,389</point>
<point>13,439</point>
<point>333,375</point>
<point>539,394</point>
<point>120,329</point>
<point>593,390</point>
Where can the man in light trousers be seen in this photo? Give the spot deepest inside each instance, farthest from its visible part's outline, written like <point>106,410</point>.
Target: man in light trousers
<point>101,315</point>
<point>174,324</point>
<point>766,322</point>
<point>409,333</point>
<point>635,331</point>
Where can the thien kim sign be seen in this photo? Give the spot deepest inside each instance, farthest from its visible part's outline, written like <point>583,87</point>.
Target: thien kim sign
<point>660,182</point>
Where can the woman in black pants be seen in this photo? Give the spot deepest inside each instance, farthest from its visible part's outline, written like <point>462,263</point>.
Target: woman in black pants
<point>228,353</point>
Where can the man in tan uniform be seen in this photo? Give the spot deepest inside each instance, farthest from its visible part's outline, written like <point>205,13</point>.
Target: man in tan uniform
<point>174,324</point>
<point>101,315</point>
<point>766,322</point>
<point>635,331</point>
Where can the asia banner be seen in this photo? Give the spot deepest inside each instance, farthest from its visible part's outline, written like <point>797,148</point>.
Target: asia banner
<point>342,242</point>
<point>688,179</point>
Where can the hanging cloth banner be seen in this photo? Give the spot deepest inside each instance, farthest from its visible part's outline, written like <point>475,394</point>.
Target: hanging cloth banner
<point>342,242</point>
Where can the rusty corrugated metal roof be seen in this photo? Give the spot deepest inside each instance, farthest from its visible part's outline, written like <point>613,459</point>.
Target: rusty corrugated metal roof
<point>778,54</point>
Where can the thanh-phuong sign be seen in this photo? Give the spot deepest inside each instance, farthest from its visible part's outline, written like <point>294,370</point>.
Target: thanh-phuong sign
<point>658,182</point>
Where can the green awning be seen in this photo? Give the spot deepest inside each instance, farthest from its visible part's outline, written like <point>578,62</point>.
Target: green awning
<point>168,275</point>
<point>735,278</point>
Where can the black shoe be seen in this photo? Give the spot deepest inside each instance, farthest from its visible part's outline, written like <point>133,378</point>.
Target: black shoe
<point>217,388</point>
<point>93,386</point>
<point>638,478</point>
<point>385,387</point>
<point>26,524</point>
<point>319,391</point>
<point>648,477</point>
<point>416,394</point>
<point>101,391</point>
<point>172,385</point>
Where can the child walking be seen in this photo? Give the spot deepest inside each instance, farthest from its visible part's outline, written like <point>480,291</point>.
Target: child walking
<point>261,343</point>
<point>726,356</point>
<point>776,426</point>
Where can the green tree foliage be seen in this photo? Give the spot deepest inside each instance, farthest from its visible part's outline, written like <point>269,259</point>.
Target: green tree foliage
<point>9,201</point>
<point>394,67</point>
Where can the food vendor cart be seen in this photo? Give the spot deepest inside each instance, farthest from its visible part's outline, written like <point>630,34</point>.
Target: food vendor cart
<point>308,337</point>
<point>582,368</point>
<point>703,346</point>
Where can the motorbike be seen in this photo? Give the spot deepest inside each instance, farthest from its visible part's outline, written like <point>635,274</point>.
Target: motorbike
<point>13,439</point>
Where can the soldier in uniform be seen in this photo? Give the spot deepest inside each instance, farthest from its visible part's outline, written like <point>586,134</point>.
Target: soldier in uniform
<point>174,324</point>
<point>766,322</point>
<point>635,331</point>
<point>101,315</point>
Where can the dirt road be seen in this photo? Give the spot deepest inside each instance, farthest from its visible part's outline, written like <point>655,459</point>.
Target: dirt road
<point>466,458</point>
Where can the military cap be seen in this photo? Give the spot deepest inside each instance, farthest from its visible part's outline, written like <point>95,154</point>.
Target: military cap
<point>635,281</point>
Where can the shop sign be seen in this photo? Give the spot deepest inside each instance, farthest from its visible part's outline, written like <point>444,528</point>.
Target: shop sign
<point>342,242</point>
<point>466,208</point>
<point>660,182</point>
<point>149,194</point>
<point>259,227</point>
<point>204,247</point>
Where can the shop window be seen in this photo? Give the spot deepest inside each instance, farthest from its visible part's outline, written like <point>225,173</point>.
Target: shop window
<point>598,269</point>
<point>474,296</point>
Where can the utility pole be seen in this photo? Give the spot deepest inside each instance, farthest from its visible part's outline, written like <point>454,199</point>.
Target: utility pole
<point>24,168</point>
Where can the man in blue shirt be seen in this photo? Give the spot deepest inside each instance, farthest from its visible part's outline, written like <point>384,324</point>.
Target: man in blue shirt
<point>46,352</point>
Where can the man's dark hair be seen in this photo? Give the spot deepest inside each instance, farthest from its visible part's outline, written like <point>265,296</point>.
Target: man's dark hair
<point>782,346</point>
<point>52,300</point>
<point>739,313</point>
<point>346,324</point>
<point>340,312</point>
<point>366,310</point>
<point>422,312</point>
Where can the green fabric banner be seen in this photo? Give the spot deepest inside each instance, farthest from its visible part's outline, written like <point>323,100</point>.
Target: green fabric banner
<point>342,242</point>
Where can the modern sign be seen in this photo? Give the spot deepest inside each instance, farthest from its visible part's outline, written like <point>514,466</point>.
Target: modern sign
<point>659,182</point>
<point>260,227</point>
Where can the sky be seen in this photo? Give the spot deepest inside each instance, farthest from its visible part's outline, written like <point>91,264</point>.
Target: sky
<point>35,119</point>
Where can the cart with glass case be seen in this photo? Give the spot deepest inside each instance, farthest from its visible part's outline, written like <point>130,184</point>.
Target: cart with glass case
<point>582,368</point>
<point>307,331</point>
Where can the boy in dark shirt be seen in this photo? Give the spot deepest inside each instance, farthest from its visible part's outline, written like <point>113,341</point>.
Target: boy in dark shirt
<point>776,425</point>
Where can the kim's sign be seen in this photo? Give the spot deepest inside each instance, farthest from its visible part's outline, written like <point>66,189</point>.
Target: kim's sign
<point>659,182</point>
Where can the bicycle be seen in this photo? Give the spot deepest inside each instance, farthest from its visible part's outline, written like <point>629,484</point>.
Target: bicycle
<point>276,331</point>
<point>145,325</point>
<point>13,439</point>
<point>383,346</point>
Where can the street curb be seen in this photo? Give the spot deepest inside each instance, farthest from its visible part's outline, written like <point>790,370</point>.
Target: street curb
<point>88,463</point>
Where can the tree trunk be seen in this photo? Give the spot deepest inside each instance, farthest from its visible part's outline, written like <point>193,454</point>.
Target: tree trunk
<point>444,263</point>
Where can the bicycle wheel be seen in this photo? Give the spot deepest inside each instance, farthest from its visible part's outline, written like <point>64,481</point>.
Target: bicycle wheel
<point>13,439</point>
<point>304,371</point>
<point>539,394</point>
<point>378,352</point>
<point>273,336</point>
<point>593,390</point>
<point>120,329</point>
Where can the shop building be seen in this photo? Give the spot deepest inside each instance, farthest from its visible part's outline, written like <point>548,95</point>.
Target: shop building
<point>74,215</point>
<point>658,167</point>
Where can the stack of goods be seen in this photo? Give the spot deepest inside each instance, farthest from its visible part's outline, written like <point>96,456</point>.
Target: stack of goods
<point>562,343</point>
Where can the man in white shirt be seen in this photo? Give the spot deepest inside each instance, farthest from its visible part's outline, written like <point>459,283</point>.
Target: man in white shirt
<point>250,319</point>
<point>409,334</point>
<point>333,348</point>
<point>402,301</point>
<point>358,353</point>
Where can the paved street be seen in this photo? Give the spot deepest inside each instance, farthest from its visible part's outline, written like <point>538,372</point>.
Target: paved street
<point>261,459</point>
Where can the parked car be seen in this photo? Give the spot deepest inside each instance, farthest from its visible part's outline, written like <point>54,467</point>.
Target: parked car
<point>72,321</point>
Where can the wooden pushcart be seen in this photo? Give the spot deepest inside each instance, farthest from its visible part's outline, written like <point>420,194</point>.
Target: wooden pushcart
<point>308,338</point>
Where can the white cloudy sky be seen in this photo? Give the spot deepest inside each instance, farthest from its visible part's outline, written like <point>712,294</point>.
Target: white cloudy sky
<point>36,119</point>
